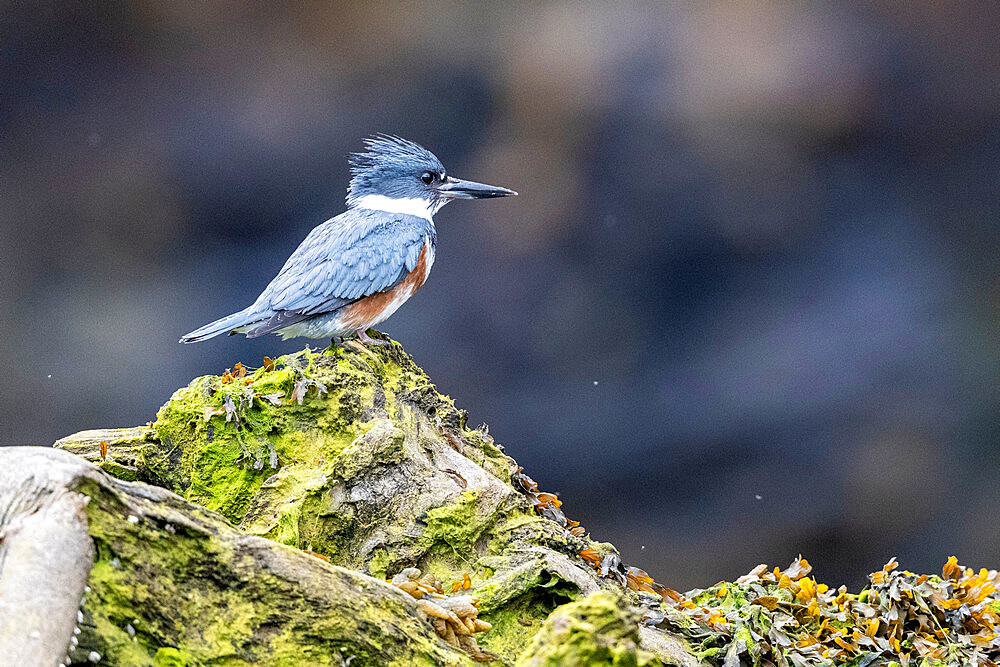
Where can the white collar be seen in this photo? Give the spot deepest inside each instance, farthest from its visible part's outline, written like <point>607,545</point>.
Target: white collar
<point>421,208</point>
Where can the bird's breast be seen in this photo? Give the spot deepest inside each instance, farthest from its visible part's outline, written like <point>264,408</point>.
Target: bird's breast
<point>427,255</point>
<point>374,308</point>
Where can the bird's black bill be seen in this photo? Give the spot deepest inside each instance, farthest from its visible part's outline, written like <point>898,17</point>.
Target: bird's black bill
<point>456,188</point>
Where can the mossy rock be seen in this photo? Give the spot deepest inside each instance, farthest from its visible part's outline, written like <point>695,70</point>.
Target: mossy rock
<point>600,629</point>
<point>352,454</point>
<point>157,580</point>
<point>298,480</point>
<point>368,463</point>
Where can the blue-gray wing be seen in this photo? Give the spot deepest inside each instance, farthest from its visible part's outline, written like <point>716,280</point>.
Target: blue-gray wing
<point>356,254</point>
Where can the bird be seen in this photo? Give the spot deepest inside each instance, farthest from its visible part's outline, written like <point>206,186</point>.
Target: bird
<point>355,270</point>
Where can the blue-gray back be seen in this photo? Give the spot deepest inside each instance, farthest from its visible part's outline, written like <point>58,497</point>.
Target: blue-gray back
<point>357,253</point>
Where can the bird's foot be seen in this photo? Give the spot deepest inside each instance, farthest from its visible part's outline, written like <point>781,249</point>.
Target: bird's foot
<point>364,338</point>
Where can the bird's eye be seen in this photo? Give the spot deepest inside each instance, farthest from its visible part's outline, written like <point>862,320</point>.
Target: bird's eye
<point>427,177</point>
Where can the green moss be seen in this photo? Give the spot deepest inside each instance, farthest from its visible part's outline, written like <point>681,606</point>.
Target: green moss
<point>457,525</point>
<point>222,463</point>
<point>728,597</point>
<point>380,563</point>
<point>543,588</point>
<point>521,526</point>
<point>707,653</point>
<point>169,657</point>
<point>276,511</point>
<point>516,603</point>
<point>175,588</point>
<point>341,474</point>
<point>119,598</point>
<point>328,531</point>
<point>111,610</point>
<point>743,633</point>
<point>218,482</point>
<point>116,469</point>
<point>480,447</point>
<point>514,626</point>
<point>597,630</point>
<point>379,410</point>
<point>127,588</point>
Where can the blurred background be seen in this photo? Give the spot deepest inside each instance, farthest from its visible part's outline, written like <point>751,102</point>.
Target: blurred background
<point>745,307</point>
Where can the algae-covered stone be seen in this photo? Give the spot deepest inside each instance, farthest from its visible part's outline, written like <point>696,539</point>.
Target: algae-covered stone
<point>127,444</point>
<point>166,582</point>
<point>600,629</point>
<point>352,454</point>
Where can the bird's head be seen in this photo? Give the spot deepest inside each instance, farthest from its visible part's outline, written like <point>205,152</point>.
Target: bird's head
<point>405,176</point>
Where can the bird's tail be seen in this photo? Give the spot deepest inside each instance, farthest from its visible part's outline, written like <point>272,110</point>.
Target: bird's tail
<point>225,325</point>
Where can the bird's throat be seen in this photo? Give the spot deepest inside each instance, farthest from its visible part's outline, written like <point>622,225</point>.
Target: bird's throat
<point>422,208</point>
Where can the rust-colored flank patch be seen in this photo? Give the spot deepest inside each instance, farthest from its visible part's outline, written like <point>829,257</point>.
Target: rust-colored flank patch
<point>365,311</point>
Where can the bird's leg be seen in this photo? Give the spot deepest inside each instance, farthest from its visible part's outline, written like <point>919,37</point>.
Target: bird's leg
<point>364,338</point>
<point>336,341</point>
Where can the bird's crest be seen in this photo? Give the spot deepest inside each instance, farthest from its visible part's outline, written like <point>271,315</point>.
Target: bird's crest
<point>385,150</point>
<point>387,157</point>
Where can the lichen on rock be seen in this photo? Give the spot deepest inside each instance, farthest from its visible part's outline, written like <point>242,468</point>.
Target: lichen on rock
<point>600,629</point>
<point>172,583</point>
<point>353,455</point>
<point>345,469</point>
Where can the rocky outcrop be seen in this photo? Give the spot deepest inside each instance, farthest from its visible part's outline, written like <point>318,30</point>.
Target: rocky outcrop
<point>332,508</point>
<point>349,461</point>
<point>95,570</point>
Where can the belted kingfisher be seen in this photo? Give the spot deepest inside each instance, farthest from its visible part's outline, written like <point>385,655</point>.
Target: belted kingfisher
<point>355,270</point>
